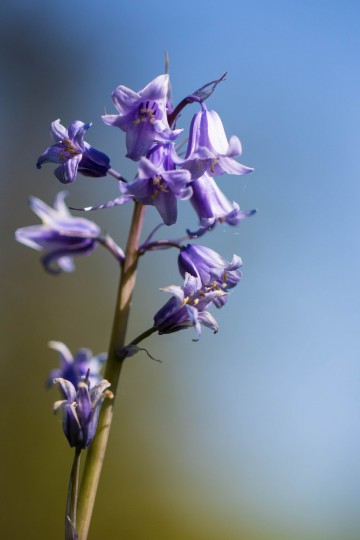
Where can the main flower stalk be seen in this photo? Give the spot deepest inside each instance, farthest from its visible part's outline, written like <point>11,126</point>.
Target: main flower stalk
<point>96,452</point>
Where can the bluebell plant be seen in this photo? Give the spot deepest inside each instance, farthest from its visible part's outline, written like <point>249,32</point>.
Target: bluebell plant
<point>164,179</point>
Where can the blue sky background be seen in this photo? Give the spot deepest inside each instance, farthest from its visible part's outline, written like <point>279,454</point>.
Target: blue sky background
<point>254,431</point>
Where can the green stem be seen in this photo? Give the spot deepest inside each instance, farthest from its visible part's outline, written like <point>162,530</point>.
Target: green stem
<point>96,451</point>
<point>71,503</point>
<point>142,336</point>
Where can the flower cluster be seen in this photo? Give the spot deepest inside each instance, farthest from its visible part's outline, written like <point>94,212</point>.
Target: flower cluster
<point>163,177</point>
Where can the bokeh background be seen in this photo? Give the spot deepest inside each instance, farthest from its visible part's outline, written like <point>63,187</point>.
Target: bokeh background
<point>249,434</point>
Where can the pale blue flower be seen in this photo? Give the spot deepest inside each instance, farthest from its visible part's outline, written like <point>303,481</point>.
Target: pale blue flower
<point>211,205</point>
<point>61,236</point>
<point>214,272</point>
<point>142,116</point>
<point>73,153</point>
<point>186,308</point>
<point>208,149</point>
<point>159,184</point>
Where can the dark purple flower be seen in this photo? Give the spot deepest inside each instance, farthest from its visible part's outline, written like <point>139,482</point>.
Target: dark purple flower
<point>142,115</point>
<point>60,235</point>
<point>73,153</point>
<point>74,368</point>
<point>208,149</point>
<point>159,184</point>
<point>215,272</point>
<point>80,410</point>
<point>186,308</point>
<point>211,205</point>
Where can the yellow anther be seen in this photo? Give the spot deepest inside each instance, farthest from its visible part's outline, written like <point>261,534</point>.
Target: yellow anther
<point>196,301</point>
<point>136,122</point>
<point>69,150</point>
<point>69,146</point>
<point>185,301</point>
<point>150,112</point>
<point>163,187</point>
<point>212,166</point>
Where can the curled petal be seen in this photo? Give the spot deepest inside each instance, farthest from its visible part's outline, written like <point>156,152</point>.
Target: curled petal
<point>157,88</point>
<point>67,388</point>
<point>77,131</point>
<point>208,320</point>
<point>53,154</point>
<point>64,353</point>
<point>67,172</point>
<point>57,131</point>
<point>124,99</point>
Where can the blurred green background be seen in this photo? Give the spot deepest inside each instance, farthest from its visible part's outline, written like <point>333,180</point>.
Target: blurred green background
<point>250,434</point>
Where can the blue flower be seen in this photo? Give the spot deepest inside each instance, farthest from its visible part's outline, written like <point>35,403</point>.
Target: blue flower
<point>186,308</point>
<point>80,410</point>
<point>142,115</point>
<point>60,235</point>
<point>214,272</point>
<point>74,368</point>
<point>159,184</point>
<point>211,205</point>
<point>73,153</point>
<point>208,149</point>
